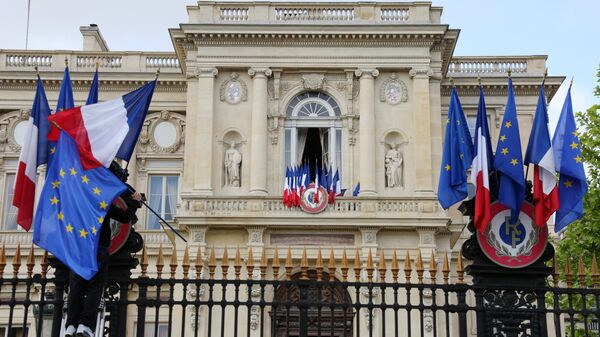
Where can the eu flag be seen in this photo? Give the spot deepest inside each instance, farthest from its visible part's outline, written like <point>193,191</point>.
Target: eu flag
<point>508,160</point>
<point>72,207</point>
<point>572,184</point>
<point>457,156</point>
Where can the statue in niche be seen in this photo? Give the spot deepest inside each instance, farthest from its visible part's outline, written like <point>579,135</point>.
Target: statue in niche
<point>394,165</point>
<point>233,162</point>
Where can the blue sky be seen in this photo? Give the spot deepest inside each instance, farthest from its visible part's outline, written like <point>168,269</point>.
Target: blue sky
<point>567,31</point>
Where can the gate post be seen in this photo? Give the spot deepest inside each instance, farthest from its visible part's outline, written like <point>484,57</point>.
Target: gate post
<point>303,303</point>
<point>502,293</point>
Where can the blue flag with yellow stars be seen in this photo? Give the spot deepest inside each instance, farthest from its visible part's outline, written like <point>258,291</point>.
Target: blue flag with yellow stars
<point>72,207</point>
<point>456,157</point>
<point>508,160</point>
<point>572,184</point>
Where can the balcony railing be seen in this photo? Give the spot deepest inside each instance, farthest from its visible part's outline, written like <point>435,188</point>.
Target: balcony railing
<point>496,65</point>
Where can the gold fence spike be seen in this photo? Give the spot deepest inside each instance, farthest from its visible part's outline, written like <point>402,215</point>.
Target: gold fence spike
<point>212,263</point>
<point>237,264</point>
<point>144,262</point>
<point>419,267</point>
<point>319,265</point>
<point>357,265</point>
<point>446,268</point>
<point>263,264</point>
<point>289,264</point>
<point>16,262</point>
<point>173,262</point>
<point>198,263</point>
<point>276,263</point>
<point>185,264</point>
<point>2,260</point>
<point>250,263</point>
<point>382,267</point>
<point>331,267</point>
<point>160,262</point>
<point>407,266</point>
<point>30,262</point>
<point>304,265</point>
<point>43,263</point>
<point>345,267</point>
<point>460,269</point>
<point>395,267</point>
<point>555,273</point>
<point>595,275</point>
<point>370,266</point>
<point>432,268</point>
<point>225,263</point>
<point>568,273</point>
<point>581,272</point>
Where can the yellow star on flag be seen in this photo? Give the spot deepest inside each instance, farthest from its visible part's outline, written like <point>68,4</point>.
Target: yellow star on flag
<point>69,228</point>
<point>85,179</point>
<point>53,150</point>
<point>103,205</point>
<point>62,173</point>
<point>94,230</point>
<point>96,191</point>
<point>568,183</point>
<point>578,159</point>
<point>447,167</point>
<point>508,124</point>
<point>72,171</point>
<point>575,133</point>
<point>100,219</point>
<point>514,162</point>
<point>504,151</point>
<point>54,200</point>
<point>83,233</point>
<point>573,145</point>
<point>61,216</point>
<point>55,184</point>
<point>502,138</point>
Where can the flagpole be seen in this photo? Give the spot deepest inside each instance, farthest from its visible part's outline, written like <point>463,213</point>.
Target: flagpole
<point>27,32</point>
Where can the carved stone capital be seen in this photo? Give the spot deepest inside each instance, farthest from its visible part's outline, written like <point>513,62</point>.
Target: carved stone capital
<point>259,72</point>
<point>366,73</point>
<point>207,72</point>
<point>421,72</point>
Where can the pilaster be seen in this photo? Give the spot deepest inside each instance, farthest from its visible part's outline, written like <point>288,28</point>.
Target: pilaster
<point>203,137</point>
<point>424,181</point>
<point>367,129</point>
<point>258,140</point>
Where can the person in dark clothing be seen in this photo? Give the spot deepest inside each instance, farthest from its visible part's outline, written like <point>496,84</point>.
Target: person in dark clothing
<point>84,296</point>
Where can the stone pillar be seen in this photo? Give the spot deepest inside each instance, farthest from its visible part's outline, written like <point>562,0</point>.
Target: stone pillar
<point>367,130</point>
<point>203,135</point>
<point>258,140</point>
<point>424,181</point>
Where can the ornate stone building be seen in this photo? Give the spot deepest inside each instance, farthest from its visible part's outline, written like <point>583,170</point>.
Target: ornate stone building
<point>253,87</point>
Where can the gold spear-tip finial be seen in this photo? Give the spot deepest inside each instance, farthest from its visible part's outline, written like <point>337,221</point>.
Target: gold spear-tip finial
<point>157,74</point>
<point>478,79</point>
<point>451,81</point>
<point>509,72</point>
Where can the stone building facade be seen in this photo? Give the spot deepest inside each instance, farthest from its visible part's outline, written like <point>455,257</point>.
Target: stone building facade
<point>250,86</point>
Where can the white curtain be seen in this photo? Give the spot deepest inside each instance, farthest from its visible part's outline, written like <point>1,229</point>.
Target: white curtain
<point>155,201</point>
<point>300,143</point>
<point>171,207</point>
<point>324,134</point>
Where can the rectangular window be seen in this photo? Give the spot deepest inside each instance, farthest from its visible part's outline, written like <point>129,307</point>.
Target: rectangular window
<point>162,198</point>
<point>9,211</point>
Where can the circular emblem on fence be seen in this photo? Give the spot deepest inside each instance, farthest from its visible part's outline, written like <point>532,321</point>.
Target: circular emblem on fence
<point>309,201</point>
<point>119,232</point>
<point>513,245</point>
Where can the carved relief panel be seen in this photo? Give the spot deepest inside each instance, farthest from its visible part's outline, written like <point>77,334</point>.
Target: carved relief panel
<point>393,91</point>
<point>162,132</point>
<point>13,127</point>
<point>234,90</point>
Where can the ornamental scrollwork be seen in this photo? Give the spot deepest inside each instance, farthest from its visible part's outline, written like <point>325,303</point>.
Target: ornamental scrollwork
<point>393,91</point>
<point>166,124</point>
<point>234,90</point>
<point>8,127</point>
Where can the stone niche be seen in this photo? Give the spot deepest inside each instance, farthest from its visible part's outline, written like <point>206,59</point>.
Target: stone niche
<point>233,159</point>
<point>394,159</point>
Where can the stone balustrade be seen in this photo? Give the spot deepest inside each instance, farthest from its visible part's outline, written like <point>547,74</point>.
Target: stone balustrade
<point>496,65</point>
<point>125,62</point>
<point>299,13</point>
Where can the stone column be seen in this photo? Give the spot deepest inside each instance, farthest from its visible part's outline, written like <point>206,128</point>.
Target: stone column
<point>366,130</point>
<point>258,140</point>
<point>420,76</point>
<point>203,135</point>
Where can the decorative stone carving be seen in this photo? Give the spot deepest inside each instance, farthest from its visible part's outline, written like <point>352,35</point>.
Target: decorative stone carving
<point>366,72</point>
<point>313,81</point>
<point>260,72</point>
<point>394,165</point>
<point>255,235</point>
<point>369,236</point>
<point>162,132</point>
<point>232,165</point>
<point>10,124</point>
<point>207,72</point>
<point>420,72</point>
<point>234,90</point>
<point>393,91</point>
<point>286,86</point>
<point>355,89</point>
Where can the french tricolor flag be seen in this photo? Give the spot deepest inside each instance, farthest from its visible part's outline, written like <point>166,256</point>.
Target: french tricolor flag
<point>482,163</point>
<point>108,129</point>
<point>539,152</point>
<point>33,153</point>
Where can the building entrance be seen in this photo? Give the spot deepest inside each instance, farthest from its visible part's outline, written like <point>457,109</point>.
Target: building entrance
<point>313,150</point>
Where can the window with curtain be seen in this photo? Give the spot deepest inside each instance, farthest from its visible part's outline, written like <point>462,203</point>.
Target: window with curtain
<point>9,211</point>
<point>472,123</point>
<point>162,198</point>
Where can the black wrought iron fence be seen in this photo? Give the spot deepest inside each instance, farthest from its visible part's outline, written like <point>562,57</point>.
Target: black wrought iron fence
<point>300,297</point>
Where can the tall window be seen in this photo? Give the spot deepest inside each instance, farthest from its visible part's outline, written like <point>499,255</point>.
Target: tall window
<point>472,123</point>
<point>163,198</point>
<point>9,211</point>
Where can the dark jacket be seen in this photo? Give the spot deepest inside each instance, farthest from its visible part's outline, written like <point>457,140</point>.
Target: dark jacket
<point>119,215</point>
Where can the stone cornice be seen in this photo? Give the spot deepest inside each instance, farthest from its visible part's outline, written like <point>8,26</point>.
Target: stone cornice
<point>84,85</point>
<point>529,86</point>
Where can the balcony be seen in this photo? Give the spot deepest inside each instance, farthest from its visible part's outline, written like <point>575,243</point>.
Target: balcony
<point>469,66</point>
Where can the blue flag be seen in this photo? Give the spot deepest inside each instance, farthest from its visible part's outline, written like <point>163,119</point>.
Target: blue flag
<point>93,95</point>
<point>65,95</point>
<point>508,160</point>
<point>356,190</point>
<point>72,207</point>
<point>457,155</point>
<point>572,184</point>
<point>39,113</point>
<point>323,177</point>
